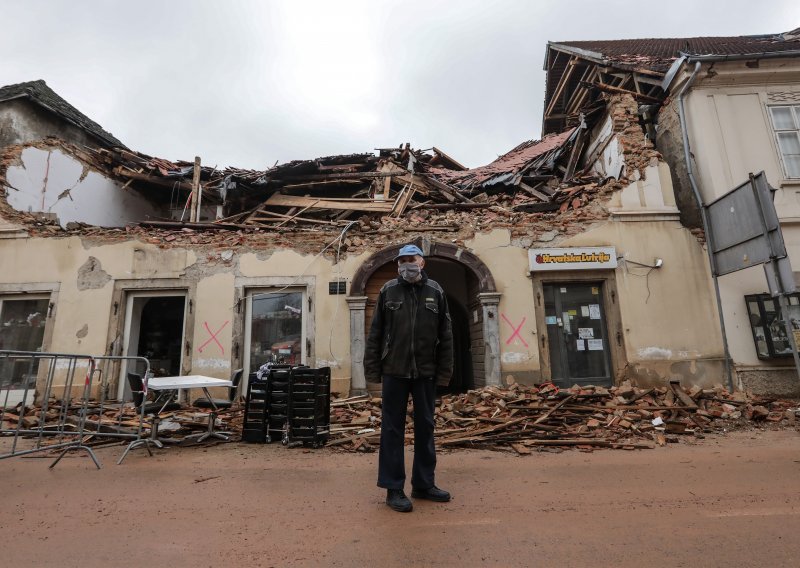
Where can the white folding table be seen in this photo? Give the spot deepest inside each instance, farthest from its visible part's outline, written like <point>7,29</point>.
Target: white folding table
<point>166,384</point>
<point>194,382</point>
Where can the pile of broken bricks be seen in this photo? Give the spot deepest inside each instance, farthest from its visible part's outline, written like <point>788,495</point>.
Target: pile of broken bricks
<point>113,418</point>
<point>515,417</point>
<point>523,418</point>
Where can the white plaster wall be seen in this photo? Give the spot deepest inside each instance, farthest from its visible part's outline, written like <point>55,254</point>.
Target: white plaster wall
<point>731,136</point>
<point>50,181</point>
<point>676,319</point>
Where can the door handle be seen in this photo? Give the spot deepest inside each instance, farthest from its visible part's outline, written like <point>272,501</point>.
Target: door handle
<point>619,338</point>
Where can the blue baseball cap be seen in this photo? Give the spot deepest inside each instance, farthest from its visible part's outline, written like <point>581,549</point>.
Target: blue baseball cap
<point>409,250</point>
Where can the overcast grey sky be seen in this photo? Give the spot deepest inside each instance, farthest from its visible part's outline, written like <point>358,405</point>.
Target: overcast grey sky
<point>248,83</point>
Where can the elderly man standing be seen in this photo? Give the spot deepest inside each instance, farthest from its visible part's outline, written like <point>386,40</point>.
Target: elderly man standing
<point>409,349</point>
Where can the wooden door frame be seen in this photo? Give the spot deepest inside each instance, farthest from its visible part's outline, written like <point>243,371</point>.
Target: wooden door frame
<point>610,297</point>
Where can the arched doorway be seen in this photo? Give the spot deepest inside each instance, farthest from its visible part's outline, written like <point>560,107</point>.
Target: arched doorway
<point>473,301</point>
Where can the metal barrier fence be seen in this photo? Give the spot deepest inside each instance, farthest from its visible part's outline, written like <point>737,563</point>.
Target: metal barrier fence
<point>56,400</point>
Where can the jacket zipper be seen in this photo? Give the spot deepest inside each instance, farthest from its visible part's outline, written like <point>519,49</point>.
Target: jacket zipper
<point>413,327</point>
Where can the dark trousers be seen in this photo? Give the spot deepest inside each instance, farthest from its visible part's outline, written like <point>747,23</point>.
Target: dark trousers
<point>391,462</point>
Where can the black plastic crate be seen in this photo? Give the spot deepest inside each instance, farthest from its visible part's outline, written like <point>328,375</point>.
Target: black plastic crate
<point>254,428</point>
<point>309,406</point>
<point>291,404</point>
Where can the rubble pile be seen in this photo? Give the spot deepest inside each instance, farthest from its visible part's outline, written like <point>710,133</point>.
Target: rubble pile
<point>521,418</point>
<point>113,418</point>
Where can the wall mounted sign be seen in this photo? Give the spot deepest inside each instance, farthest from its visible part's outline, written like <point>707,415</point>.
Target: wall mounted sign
<point>575,258</point>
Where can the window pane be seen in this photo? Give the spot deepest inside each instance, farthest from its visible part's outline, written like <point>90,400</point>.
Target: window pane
<point>792,166</point>
<point>22,329</point>
<point>782,118</point>
<point>276,328</point>
<point>761,342</point>
<point>780,341</point>
<point>789,143</point>
<point>755,314</point>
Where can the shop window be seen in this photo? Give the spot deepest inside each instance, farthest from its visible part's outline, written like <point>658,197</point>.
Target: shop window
<point>276,328</point>
<point>786,124</point>
<point>22,324</point>
<point>768,326</point>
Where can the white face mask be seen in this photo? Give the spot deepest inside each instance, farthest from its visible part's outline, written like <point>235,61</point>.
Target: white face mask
<point>410,271</point>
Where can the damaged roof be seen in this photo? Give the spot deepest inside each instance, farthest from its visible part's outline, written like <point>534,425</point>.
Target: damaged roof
<point>39,93</point>
<point>657,54</point>
<point>580,72</point>
<point>502,170</point>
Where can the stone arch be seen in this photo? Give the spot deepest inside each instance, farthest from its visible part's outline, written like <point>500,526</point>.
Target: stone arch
<point>431,249</point>
<point>486,301</point>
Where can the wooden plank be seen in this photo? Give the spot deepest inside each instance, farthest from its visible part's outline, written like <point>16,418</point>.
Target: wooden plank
<point>281,200</point>
<point>454,205</point>
<point>293,214</point>
<point>577,150</point>
<point>271,216</point>
<point>194,214</point>
<point>403,200</point>
<point>682,396</point>
<point>547,414</point>
<point>450,193</point>
<point>618,90</point>
<point>535,192</point>
<point>356,175</point>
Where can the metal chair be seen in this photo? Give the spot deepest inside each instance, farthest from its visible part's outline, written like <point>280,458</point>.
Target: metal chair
<point>215,404</point>
<point>152,409</point>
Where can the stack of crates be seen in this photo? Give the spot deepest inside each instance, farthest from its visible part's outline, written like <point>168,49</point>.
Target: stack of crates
<point>291,404</point>
<point>278,385</point>
<point>309,406</point>
<point>254,428</point>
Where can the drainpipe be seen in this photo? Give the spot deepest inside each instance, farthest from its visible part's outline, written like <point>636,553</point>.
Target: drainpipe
<point>704,216</point>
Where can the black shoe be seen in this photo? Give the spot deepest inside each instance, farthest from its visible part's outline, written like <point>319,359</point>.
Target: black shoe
<point>398,501</point>
<point>432,494</point>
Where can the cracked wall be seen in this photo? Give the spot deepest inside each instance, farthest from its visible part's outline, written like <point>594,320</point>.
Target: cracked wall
<point>52,182</point>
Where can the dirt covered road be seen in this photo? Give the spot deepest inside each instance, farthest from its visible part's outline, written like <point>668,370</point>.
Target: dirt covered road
<point>725,501</point>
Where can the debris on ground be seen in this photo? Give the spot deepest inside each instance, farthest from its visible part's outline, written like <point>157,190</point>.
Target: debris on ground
<point>523,418</point>
<point>118,419</point>
<point>516,417</point>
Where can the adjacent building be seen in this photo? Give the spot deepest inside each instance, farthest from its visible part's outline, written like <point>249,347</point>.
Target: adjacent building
<point>718,109</point>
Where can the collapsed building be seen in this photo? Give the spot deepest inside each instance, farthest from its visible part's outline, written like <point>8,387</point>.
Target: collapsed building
<point>718,110</point>
<point>564,260</point>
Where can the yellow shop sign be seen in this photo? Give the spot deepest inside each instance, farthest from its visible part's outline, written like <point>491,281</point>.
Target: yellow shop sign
<point>583,258</point>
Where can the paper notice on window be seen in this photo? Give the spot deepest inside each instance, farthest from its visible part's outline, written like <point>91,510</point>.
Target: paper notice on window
<point>594,311</point>
<point>565,320</point>
<point>585,311</point>
<point>581,345</point>
<point>595,344</point>
<point>585,333</point>
<point>551,320</point>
